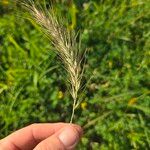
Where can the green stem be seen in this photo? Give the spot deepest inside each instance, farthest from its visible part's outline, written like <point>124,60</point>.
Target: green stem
<point>73,110</point>
<point>72,115</point>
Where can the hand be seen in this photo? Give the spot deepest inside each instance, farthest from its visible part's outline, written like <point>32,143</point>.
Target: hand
<point>46,136</point>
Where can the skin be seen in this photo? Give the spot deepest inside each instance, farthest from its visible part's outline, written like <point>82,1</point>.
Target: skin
<point>47,136</point>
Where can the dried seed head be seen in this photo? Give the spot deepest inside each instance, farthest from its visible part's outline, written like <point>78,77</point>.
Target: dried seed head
<point>65,44</point>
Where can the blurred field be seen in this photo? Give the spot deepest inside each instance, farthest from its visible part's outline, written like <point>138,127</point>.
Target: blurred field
<point>115,111</point>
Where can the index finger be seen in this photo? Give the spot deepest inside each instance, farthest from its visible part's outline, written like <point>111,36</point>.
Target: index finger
<point>27,138</point>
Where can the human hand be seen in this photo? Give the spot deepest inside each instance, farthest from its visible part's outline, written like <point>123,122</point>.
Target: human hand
<point>46,136</point>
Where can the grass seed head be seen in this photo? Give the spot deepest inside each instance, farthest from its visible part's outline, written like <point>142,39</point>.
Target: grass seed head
<point>65,44</point>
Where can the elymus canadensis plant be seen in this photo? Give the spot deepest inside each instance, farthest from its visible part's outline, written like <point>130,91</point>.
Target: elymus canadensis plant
<point>65,43</point>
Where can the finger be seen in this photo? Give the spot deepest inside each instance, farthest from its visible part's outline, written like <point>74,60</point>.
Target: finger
<point>64,139</point>
<point>28,137</point>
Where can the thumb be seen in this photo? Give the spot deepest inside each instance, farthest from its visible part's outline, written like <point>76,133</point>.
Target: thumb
<point>65,139</point>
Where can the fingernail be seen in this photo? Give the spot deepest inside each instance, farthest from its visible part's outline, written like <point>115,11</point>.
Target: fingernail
<point>79,129</point>
<point>69,137</point>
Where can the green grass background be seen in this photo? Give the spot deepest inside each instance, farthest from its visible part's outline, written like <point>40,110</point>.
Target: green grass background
<point>115,112</point>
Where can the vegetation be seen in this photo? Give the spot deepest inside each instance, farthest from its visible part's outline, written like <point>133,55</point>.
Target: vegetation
<point>64,41</point>
<point>115,111</point>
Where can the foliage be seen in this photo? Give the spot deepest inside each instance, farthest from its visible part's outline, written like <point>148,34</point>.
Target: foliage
<point>115,113</point>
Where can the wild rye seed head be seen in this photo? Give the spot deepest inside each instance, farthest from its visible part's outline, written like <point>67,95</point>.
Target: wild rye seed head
<point>65,44</point>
